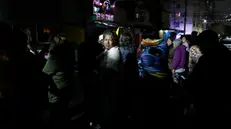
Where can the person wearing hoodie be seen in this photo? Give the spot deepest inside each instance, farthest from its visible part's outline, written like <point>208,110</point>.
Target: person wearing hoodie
<point>111,67</point>
<point>180,61</point>
<point>209,83</point>
<point>179,58</point>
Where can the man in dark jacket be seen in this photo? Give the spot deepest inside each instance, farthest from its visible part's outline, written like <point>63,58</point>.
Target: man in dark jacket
<point>87,53</point>
<point>208,83</point>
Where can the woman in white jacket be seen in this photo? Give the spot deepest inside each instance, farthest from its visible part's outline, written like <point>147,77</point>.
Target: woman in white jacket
<point>110,74</point>
<point>110,58</point>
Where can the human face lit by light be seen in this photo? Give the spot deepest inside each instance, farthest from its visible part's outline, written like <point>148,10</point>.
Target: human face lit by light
<point>184,40</point>
<point>169,42</point>
<point>108,42</point>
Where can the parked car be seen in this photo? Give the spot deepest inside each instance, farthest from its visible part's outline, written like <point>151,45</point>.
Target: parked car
<point>227,42</point>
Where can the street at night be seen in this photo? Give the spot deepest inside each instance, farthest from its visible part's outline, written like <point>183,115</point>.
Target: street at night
<point>114,64</point>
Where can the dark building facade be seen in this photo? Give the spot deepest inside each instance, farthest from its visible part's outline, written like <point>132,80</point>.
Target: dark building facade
<point>142,11</point>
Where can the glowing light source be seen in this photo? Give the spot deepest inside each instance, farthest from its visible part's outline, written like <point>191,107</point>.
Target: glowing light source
<point>204,21</point>
<point>104,9</point>
<point>178,14</point>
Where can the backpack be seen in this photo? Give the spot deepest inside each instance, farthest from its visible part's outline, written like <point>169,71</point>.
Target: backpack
<point>153,60</point>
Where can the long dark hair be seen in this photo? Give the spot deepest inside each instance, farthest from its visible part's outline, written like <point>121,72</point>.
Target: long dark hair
<point>126,41</point>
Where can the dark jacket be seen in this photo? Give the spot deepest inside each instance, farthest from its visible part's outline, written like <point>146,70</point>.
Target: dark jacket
<point>60,67</point>
<point>209,87</point>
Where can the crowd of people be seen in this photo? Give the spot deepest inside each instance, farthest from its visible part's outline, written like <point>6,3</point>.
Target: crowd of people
<point>123,87</point>
<point>205,88</point>
<point>30,84</point>
<point>193,70</point>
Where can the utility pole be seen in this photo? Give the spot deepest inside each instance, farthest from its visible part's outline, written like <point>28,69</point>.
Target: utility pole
<point>36,30</point>
<point>185,15</point>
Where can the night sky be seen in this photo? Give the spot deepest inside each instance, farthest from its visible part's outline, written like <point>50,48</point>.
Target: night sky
<point>222,7</point>
<point>45,10</point>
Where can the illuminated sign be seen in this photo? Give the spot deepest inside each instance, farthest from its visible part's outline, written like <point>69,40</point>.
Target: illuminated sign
<point>178,14</point>
<point>104,9</point>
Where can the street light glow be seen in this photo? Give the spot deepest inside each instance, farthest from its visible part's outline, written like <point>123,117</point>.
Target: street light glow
<point>205,21</point>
